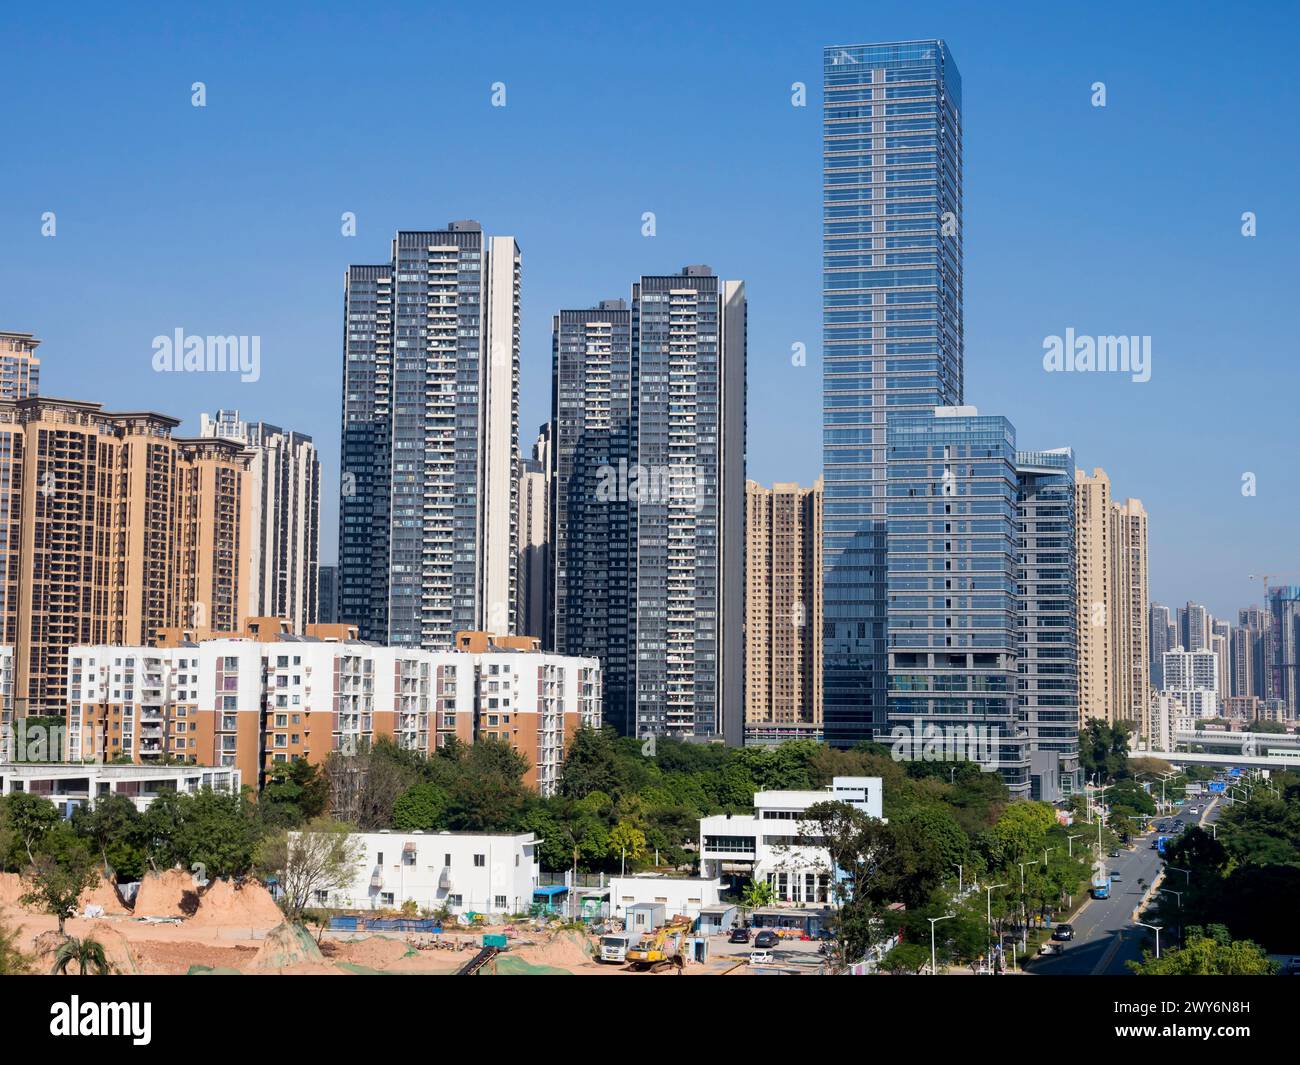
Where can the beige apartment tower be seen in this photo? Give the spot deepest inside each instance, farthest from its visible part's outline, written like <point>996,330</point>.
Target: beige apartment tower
<point>783,612</point>
<point>110,528</point>
<point>1114,677</point>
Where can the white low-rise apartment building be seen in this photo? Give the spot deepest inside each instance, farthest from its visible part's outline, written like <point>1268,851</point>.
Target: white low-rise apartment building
<point>70,785</point>
<point>251,702</point>
<point>686,896</point>
<point>771,843</point>
<point>486,873</point>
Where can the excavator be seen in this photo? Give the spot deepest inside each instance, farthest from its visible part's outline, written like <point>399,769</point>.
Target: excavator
<point>662,949</point>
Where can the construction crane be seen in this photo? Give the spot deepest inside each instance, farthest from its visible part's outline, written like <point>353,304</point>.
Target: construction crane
<point>1265,578</point>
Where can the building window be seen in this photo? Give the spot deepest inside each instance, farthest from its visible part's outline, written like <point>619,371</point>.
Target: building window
<point>480,860</point>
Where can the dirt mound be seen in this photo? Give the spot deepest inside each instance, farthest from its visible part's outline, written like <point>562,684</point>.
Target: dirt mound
<point>248,905</point>
<point>169,894</point>
<point>375,952</point>
<point>12,889</point>
<point>104,895</point>
<point>564,950</point>
<point>286,945</point>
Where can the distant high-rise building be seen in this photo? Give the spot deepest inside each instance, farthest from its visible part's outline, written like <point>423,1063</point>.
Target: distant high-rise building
<point>648,418</point>
<point>1114,652</point>
<point>534,616</point>
<point>1193,627</point>
<point>1221,645</point>
<point>428,515</point>
<point>1284,648</point>
<point>954,612</point>
<point>893,328</point>
<point>20,368</point>
<point>327,596</point>
<point>281,536</point>
<point>1160,626</point>
<point>783,612</point>
<point>1193,676</point>
<point>110,529</point>
<point>1251,667</point>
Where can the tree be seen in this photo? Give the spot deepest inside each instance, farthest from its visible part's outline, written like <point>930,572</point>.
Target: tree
<point>29,818</point>
<point>757,894</point>
<point>591,764</point>
<point>364,786</point>
<point>116,830</point>
<point>87,954</point>
<point>324,856</point>
<point>1209,952</point>
<point>421,808</point>
<point>294,793</point>
<point>626,841</point>
<point>12,960</point>
<point>906,959</point>
<point>217,831</point>
<point>58,874</point>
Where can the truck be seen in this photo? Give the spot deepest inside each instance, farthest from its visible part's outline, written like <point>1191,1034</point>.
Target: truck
<point>1100,885</point>
<point>615,945</point>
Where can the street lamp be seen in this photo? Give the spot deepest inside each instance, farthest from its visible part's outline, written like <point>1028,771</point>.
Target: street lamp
<point>934,971</point>
<point>1024,914</point>
<point>1072,839</point>
<point>1157,931</point>
<point>988,910</point>
<point>1186,872</point>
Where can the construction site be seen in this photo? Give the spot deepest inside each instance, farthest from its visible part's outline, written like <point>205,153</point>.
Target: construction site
<point>177,927</point>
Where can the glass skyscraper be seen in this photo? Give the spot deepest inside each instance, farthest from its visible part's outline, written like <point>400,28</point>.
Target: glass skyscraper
<point>892,317</point>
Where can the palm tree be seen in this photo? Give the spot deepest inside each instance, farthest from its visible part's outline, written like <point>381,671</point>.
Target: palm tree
<point>88,954</point>
<point>757,894</point>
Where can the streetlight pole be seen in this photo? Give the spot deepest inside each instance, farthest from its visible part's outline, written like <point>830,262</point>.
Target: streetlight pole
<point>1071,840</point>
<point>1156,927</point>
<point>1186,872</point>
<point>1024,915</point>
<point>989,910</point>
<point>934,970</point>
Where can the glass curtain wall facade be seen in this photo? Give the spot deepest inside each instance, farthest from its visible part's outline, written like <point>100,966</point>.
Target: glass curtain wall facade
<point>892,317</point>
<point>1048,664</point>
<point>954,606</point>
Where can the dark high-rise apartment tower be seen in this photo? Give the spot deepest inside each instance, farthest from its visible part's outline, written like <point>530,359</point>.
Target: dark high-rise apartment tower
<point>892,317</point>
<point>1160,626</point>
<point>428,513</point>
<point>1194,627</point>
<point>648,464</point>
<point>591,427</point>
<point>327,596</point>
<point>1251,663</point>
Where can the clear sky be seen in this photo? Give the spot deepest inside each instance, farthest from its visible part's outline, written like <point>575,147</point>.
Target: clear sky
<point>1117,220</point>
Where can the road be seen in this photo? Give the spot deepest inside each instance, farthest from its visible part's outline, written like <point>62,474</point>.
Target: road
<point>1104,934</point>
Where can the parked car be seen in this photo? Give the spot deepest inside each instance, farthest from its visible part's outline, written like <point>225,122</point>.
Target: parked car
<point>1063,932</point>
<point>766,939</point>
<point>1114,852</point>
<point>738,935</point>
<point>760,957</point>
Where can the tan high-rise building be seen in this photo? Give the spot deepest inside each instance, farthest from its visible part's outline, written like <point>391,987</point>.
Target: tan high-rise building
<point>1131,648</point>
<point>110,528</point>
<point>20,369</point>
<point>783,611</point>
<point>1111,537</point>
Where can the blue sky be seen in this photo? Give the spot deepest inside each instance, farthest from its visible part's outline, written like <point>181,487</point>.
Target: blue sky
<point>1115,220</point>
